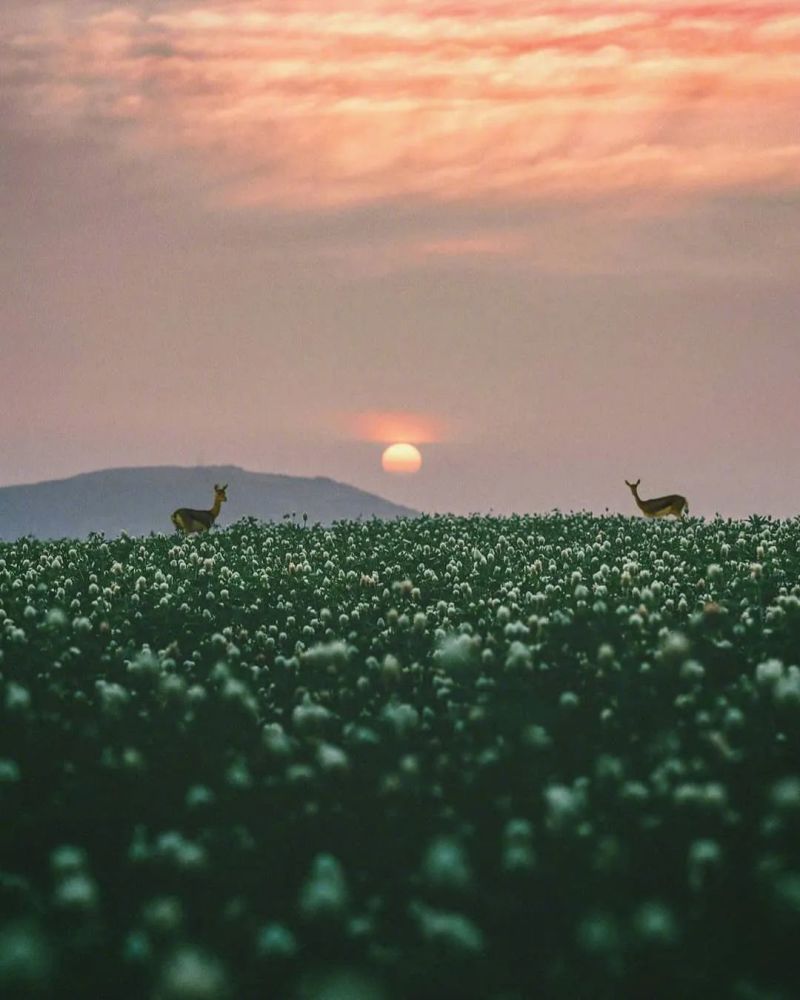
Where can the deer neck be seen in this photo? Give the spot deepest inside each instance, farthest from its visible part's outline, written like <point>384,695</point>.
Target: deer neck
<point>214,512</point>
<point>638,499</point>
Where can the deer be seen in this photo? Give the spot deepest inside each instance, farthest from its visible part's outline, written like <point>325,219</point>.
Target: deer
<point>659,506</point>
<point>188,521</point>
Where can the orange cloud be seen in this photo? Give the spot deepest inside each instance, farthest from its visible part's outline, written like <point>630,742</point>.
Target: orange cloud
<point>318,103</point>
<point>387,427</point>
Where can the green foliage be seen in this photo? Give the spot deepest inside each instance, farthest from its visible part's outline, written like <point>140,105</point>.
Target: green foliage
<point>445,757</point>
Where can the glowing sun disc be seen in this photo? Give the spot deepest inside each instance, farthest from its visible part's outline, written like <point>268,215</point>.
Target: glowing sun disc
<point>402,458</point>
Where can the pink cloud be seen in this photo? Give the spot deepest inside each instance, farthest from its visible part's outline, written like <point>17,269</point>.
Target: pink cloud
<point>314,104</point>
<point>478,245</point>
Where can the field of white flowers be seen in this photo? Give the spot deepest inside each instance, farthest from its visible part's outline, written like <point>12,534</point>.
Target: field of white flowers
<point>495,758</point>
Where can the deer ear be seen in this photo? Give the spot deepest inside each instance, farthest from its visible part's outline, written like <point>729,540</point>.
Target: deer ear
<point>216,487</point>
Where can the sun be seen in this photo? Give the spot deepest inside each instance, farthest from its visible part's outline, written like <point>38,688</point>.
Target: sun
<point>401,458</point>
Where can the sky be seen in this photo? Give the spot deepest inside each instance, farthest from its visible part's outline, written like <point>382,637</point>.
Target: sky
<point>555,245</point>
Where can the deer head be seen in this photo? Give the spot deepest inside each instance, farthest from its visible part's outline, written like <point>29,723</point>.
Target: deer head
<point>633,486</point>
<point>219,492</point>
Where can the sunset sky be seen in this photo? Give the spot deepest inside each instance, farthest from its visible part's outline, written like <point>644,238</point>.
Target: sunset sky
<point>554,245</point>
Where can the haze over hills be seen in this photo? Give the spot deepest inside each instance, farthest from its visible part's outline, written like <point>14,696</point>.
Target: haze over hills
<point>140,500</point>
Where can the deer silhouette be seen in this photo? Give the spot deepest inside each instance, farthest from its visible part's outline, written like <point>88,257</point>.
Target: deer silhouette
<point>188,520</point>
<point>659,506</point>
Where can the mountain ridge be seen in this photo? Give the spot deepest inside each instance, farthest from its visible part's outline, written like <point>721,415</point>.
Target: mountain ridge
<point>140,499</point>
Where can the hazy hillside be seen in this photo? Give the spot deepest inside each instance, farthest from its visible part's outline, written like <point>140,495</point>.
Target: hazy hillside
<point>140,500</point>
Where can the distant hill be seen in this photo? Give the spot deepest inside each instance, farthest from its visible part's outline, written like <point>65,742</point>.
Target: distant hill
<point>141,500</point>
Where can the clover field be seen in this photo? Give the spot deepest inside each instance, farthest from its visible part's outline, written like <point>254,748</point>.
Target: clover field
<point>490,758</point>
